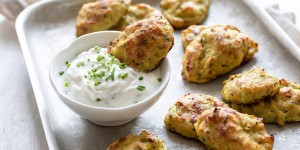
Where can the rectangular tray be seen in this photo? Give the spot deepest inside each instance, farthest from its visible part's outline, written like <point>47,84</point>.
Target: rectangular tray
<point>47,27</point>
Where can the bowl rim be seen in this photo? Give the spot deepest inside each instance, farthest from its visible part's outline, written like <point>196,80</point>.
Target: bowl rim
<point>160,89</point>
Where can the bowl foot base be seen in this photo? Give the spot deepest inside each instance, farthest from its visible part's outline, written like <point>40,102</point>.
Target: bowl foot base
<point>116,123</point>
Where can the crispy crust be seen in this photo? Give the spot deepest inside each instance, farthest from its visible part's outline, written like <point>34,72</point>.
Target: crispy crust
<point>143,141</point>
<point>135,13</point>
<point>183,13</point>
<point>250,86</point>
<point>217,50</point>
<point>189,34</point>
<point>100,15</point>
<point>144,44</point>
<point>227,129</point>
<point>284,107</point>
<point>185,112</point>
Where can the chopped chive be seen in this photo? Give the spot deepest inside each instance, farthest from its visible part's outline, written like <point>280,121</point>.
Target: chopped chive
<point>99,75</point>
<point>85,76</point>
<point>159,79</point>
<point>68,64</point>
<point>122,66</point>
<point>102,73</point>
<point>109,68</point>
<point>97,48</point>
<point>109,64</point>
<point>66,84</point>
<point>92,65</point>
<point>89,60</point>
<point>99,58</point>
<point>141,88</point>
<point>113,74</point>
<point>97,83</point>
<point>61,72</point>
<point>95,75</point>
<point>123,76</point>
<point>98,99</point>
<point>141,78</point>
<point>94,69</point>
<point>89,72</point>
<point>81,63</point>
<point>112,59</point>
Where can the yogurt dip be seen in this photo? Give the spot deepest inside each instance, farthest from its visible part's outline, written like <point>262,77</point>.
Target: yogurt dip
<point>99,79</point>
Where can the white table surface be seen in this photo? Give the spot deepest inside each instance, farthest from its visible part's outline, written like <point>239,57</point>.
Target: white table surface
<point>20,125</point>
<point>285,6</point>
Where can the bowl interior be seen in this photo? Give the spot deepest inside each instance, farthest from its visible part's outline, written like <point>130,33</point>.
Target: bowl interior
<point>84,43</point>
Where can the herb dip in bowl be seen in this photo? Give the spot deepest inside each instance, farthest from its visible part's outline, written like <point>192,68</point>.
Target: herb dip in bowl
<point>100,88</point>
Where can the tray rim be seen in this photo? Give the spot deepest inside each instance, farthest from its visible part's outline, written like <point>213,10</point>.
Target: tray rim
<point>43,111</point>
<point>47,126</point>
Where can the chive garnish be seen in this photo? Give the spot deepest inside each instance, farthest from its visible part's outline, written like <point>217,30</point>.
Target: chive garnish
<point>81,63</point>
<point>61,72</point>
<point>113,59</point>
<point>66,84</point>
<point>98,75</point>
<point>102,73</point>
<point>68,64</point>
<point>141,88</point>
<point>122,66</point>
<point>109,64</point>
<point>141,78</point>
<point>123,76</point>
<point>94,69</point>
<point>98,99</point>
<point>97,83</point>
<point>97,48</point>
<point>95,75</point>
<point>99,58</point>
<point>159,79</point>
<point>112,75</point>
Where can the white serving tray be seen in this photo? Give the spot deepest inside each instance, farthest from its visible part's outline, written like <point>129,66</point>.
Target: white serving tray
<point>47,27</point>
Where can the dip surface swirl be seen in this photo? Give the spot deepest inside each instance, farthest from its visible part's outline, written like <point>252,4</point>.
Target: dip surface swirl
<point>96,78</point>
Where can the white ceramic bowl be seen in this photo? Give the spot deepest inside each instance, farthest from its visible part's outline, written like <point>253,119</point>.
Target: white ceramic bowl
<point>102,115</point>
